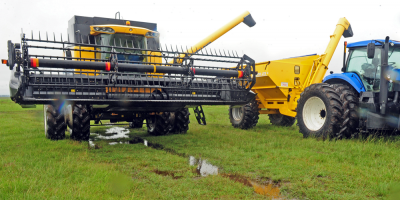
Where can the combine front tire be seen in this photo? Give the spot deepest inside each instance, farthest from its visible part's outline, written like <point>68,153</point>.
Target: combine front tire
<point>281,120</point>
<point>319,111</point>
<point>244,117</point>
<point>81,123</point>
<point>136,123</point>
<point>159,124</point>
<point>54,125</point>
<point>181,121</point>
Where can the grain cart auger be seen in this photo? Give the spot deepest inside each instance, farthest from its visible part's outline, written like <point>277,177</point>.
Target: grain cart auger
<point>282,86</point>
<point>110,69</point>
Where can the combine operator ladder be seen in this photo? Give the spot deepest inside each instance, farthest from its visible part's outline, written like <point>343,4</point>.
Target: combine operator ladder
<point>109,85</point>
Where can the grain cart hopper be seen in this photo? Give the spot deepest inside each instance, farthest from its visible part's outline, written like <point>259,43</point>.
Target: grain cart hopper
<point>110,69</point>
<point>280,83</point>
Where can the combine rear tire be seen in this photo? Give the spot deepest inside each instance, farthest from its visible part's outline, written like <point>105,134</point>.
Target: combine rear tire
<point>244,117</point>
<point>159,124</point>
<point>281,120</point>
<point>350,119</point>
<point>319,111</point>
<point>54,125</point>
<point>181,121</point>
<point>136,123</point>
<point>81,123</point>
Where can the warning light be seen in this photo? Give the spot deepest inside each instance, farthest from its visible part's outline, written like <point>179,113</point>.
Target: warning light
<point>345,43</point>
<point>128,23</point>
<point>4,61</point>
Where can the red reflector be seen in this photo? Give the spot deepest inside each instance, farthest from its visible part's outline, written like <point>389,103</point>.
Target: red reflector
<point>108,66</point>
<point>4,61</point>
<point>194,71</point>
<point>240,74</point>
<point>345,43</point>
<point>34,62</point>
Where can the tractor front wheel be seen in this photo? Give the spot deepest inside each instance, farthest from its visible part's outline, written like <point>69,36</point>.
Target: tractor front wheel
<point>319,111</point>
<point>246,116</point>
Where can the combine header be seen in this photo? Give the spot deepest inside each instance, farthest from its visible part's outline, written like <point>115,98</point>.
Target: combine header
<point>121,73</point>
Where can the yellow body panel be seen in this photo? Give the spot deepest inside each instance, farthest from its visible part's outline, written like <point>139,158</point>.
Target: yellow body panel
<point>121,29</point>
<point>279,85</point>
<point>81,55</point>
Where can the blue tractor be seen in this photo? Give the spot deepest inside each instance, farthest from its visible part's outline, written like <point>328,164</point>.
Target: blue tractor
<point>362,99</point>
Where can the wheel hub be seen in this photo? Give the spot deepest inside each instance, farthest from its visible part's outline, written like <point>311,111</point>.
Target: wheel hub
<point>237,113</point>
<point>314,113</point>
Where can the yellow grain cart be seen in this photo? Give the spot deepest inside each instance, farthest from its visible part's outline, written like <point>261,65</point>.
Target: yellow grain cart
<point>279,84</point>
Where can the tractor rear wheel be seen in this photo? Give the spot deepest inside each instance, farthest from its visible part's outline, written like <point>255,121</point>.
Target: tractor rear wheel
<point>136,123</point>
<point>181,121</point>
<point>81,123</point>
<point>281,120</point>
<point>159,124</point>
<point>350,119</point>
<point>246,116</point>
<point>54,125</point>
<point>319,111</point>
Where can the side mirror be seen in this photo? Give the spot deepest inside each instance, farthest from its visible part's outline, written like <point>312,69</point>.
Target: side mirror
<point>371,50</point>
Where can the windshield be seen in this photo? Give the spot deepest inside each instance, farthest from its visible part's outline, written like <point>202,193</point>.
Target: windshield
<point>124,40</point>
<point>370,69</point>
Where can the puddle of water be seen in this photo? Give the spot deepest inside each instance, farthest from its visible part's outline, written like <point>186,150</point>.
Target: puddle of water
<point>205,169</point>
<point>91,144</point>
<point>113,133</point>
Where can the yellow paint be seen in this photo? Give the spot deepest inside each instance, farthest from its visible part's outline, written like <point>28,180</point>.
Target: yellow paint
<point>121,29</point>
<point>278,87</point>
<point>81,55</point>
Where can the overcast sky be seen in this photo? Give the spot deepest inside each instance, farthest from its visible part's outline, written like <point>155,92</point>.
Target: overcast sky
<point>284,28</point>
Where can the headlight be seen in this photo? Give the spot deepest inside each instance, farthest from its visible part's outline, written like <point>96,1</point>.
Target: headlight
<point>152,34</point>
<point>104,29</point>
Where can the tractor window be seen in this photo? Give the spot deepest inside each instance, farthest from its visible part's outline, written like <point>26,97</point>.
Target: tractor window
<point>369,69</point>
<point>122,40</point>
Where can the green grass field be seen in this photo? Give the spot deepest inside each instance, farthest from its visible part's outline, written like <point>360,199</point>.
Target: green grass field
<point>32,167</point>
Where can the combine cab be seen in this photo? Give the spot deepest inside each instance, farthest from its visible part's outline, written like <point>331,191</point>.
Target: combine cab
<point>109,69</point>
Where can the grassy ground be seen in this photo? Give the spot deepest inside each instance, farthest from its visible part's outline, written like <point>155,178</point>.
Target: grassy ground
<point>34,167</point>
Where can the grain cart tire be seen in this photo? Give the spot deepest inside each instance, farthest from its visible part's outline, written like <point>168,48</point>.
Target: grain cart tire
<point>181,121</point>
<point>319,111</point>
<point>81,122</point>
<point>281,120</point>
<point>159,124</point>
<point>350,118</point>
<point>136,123</point>
<point>244,117</point>
<point>54,125</point>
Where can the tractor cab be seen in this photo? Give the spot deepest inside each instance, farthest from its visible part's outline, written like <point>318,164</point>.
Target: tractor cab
<point>369,69</point>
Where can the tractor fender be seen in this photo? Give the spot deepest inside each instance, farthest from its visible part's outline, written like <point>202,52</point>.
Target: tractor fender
<point>351,78</point>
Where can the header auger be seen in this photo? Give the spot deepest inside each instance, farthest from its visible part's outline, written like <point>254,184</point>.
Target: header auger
<point>111,69</point>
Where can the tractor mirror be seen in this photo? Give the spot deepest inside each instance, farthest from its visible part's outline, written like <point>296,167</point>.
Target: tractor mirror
<point>371,50</point>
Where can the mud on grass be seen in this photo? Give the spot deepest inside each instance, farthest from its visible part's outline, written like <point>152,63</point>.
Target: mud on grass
<point>34,167</point>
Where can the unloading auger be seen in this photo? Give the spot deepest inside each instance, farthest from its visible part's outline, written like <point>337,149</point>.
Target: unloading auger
<point>120,72</point>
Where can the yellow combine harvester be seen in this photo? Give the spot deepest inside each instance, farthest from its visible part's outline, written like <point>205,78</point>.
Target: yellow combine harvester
<point>279,84</point>
<point>116,70</point>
